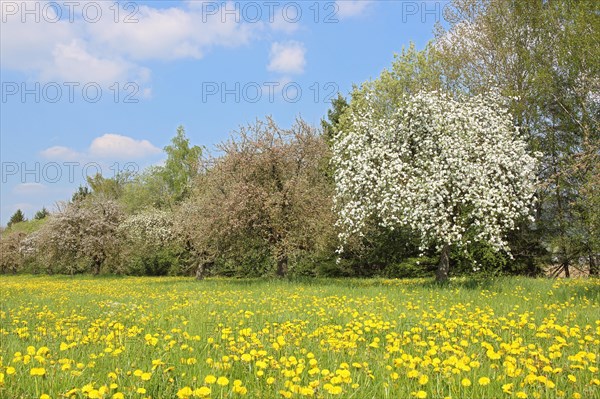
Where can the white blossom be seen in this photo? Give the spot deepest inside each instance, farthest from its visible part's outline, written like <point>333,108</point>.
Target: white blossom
<point>152,227</point>
<point>452,170</point>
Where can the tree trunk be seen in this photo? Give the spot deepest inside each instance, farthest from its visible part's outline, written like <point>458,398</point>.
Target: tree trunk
<point>96,268</point>
<point>282,265</point>
<point>594,269</point>
<point>444,265</point>
<point>565,267</point>
<point>201,270</point>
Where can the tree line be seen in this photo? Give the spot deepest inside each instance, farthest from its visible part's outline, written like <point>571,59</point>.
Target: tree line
<point>477,153</point>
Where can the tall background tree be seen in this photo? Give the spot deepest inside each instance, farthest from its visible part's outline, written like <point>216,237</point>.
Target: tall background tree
<point>545,57</point>
<point>330,126</point>
<point>164,186</point>
<point>181,166</point>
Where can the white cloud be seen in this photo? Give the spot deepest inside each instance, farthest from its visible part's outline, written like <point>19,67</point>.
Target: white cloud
<point>28,46</point>
<point>287,57</point>
<point>108,146</point>
<point>352,8</point>
<point>108,52</point>
<point>73,62</point>
<point>116,146</point>
<point>172,33</point>
<point>58,152</point>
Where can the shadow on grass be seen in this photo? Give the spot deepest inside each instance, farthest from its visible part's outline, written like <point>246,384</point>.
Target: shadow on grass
<point>467,283</point>
<point>578,292</point>
<point>564,292</point>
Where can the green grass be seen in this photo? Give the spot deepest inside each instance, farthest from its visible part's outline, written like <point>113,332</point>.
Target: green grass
<point>26,227</point>
<point>377,338</point>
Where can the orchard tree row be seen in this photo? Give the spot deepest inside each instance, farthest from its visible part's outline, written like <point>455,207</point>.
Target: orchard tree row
<point>478,153</point>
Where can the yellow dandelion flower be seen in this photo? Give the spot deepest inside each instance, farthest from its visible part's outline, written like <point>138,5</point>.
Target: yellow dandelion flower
<point>185,393</point>
<point>210,379</point>
<point>483,381</point>
<point>202,392</point>
<point>223,381</point>
<point>246,357</point>
<point>40,371</point>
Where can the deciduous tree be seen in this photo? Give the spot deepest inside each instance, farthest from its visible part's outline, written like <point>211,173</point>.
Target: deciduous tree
<point>268,189</point>
<point>455,171</point>
<point>83,233</point>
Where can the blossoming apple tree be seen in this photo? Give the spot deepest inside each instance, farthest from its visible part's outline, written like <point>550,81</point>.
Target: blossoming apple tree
<point>456,171</point>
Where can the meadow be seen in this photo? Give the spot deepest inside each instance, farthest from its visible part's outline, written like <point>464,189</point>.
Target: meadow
<point>130,337</point>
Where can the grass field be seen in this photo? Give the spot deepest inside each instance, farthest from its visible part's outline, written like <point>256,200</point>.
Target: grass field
<point>84,337</point>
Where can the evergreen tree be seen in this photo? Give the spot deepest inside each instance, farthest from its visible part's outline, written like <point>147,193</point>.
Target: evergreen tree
<point>41,214</point>
<point>81,193</point>
<point>330,126</point>
<point>17,217</point>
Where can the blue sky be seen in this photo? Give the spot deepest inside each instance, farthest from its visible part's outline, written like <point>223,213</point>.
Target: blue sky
<point>101,87</point>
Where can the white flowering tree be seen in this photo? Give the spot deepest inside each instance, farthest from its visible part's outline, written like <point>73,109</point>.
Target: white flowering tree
<point>454,171</point>
<point>150,245</point>
<point>152,227</point>
<point>82,236</point>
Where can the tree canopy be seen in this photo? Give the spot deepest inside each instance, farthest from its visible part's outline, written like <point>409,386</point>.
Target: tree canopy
<point>456,171</point>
